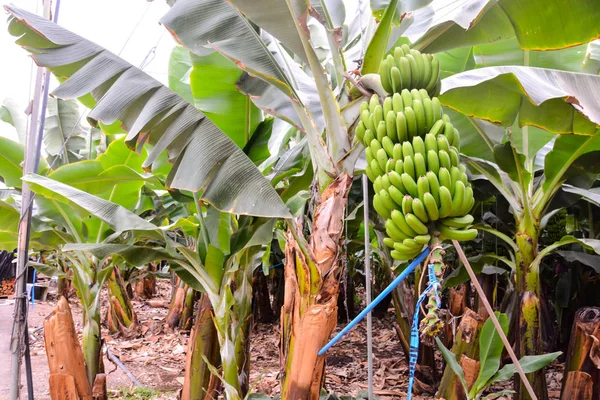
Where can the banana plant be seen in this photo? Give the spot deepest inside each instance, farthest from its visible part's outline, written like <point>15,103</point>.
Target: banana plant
<point>486,371</point>
<point>208,162</point>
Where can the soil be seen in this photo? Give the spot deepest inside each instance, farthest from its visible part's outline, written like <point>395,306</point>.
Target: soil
<point>156,355</point>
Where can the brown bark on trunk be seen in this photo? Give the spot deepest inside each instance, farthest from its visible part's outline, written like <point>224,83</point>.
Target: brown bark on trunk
<point>309,313</point>
<point>64,355</point>
<point>578,386</point>
<point>176,307</point>
<point>99,389</point>
<point>583,354</point>
<point>466,343</point>
<point>62,387</point>
<point>187,314</point>
<point>260,298</point>
<point>199,383</point>
<point>457,302</point>
<point>121,317</point>
<point>145,287</point>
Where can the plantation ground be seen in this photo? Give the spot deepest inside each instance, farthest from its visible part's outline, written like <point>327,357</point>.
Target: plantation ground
<point>156,356</point>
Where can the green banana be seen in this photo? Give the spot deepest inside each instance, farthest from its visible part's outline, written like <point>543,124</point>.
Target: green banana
<point>437,128</point>
<point>369,155</point>
<point>416,224</point>
<point>377,184</point>
<point>398,54</point>
<point>393,231</point>
<point>386,200</point>
<point>387,106</point>
<point>409,167</point>
<point>445,179</point>
<point>428,108</point>
<point>404,67</point>
<point>376,168</point>
<point>407,204</point>
<point>398,256</point>
<point>364,106</point>
<point>454,156</point>
<point>435,73</point>
<point>431,207</point>
<point>369,136</point>
<point>449,132</point>
<point>412,244</point>
<point>420,168</point>
<point>389,242</point>
<point>365,117</point>
<point>395,194</point>
<point>433,161</point>
<point>445,207</point>
<point>397,103</point>
<point>425,67</point>
<point>444,158</point>
<point>407,149</point>
<point>397,152</point>
<point>401,127</point>
<point>373,102</point>
<point>434,185</point>
<point>410,184</point>
<point>396,180</point>
<point>430,143</point>
<point>416,95</point>
<point>399,167</point>
<point>422,239</point>
<point>381,130</point>
<point>375,145</point>
<point>370,173</point>
<point>417,107</point>
<point>422,186</point>
<point>385,182</point>
<point>457,199</point>
<point>468,200</point>
<point>415,72</point>
<point>380,207</point>
<point>456,139</point>
<point>384,73</point>
<point>418,209</point>
<point>411,121</point>
<point>406,98</point>
<point>396,79</point>
<point>390,125</point>
<point>418,145</point>
<point>400,222</point>
<point>402,248</point>
<point>437,109</point>
<point>458,222</point>
<point>461,235</point>
<point>388,146</point>
<point>442,143</point>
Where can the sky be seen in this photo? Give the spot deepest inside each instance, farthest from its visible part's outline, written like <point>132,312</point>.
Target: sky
<point>128,27</point>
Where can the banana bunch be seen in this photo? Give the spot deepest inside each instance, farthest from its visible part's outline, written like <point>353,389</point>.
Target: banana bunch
<point>413,161</point>
<point>409,69</point>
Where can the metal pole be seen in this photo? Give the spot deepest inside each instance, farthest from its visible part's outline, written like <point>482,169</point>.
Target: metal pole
<point>365,185</point>
<point>20,335</point>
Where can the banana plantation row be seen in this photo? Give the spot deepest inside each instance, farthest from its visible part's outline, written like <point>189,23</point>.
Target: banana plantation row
<point>475,122</point>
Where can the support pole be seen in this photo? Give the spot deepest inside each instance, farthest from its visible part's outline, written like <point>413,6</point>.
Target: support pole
<point>20,337</point>
<point>494,319</point>
<point>365,185</point>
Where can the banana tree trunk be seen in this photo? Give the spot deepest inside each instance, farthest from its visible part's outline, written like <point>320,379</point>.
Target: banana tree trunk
<point>120,314</point>
<point>177,305</point>
<point>529,331</point>
<point>199,382</point>
<point>582,370</point>
<point>309,312</point>
<point>466,344</point>
<point>91,343</point>
<point>187,314</point>
<point>145,287</point>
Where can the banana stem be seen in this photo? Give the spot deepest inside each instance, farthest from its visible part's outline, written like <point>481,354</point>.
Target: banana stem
<point>431,325</point>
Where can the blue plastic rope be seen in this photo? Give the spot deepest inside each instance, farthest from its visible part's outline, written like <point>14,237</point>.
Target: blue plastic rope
<point>377,300</point>
<point>434,284</point>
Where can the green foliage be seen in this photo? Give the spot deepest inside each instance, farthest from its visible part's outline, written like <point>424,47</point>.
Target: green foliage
<point>490,347</point>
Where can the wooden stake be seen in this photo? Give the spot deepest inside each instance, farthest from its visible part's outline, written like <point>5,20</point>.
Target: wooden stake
<point>490,310</point>
<point>64,354</point>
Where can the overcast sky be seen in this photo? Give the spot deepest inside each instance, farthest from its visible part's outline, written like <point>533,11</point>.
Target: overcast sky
<point>109,23</point>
